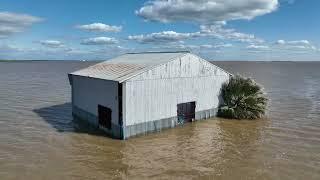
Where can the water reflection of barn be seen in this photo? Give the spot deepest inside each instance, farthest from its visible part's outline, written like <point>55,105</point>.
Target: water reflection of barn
<point>142,92</point>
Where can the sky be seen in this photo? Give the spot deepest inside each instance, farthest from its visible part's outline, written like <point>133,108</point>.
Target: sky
<point>261,30</point>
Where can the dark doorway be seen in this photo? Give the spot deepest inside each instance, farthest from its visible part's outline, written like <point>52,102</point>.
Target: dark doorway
<point>186,112</point>
<point>104,114</point>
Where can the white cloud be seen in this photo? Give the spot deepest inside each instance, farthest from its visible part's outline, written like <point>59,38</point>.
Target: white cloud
<point>257,47</point>
<point>205,11</point>
<point>217,46</point>
<point>6,31</point>
<point>99,27</point>
<point>11,23</point>
<point>12,52</point>
<point>191,47</point>
<point>99,41</point>
<point>301,42</point>
<point>18,19</point>
<point>162,37</point>
<point>300,47</point>
<point>220,32</point>
<point>52,43</point>
<point>281,42</point>
<point>208,46</point>
<point>305,42</point>
<point>217,31</point>
<point>298,44</point>
<point>185,46</point>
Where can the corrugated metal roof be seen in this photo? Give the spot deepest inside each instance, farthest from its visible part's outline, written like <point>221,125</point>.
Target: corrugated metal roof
<point>127,65</point>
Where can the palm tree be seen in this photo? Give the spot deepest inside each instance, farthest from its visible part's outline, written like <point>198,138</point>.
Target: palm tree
<point>243,99</point>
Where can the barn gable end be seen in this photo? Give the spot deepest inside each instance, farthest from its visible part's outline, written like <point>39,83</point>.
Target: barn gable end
<point>185,66</point>
<point>154,95</point>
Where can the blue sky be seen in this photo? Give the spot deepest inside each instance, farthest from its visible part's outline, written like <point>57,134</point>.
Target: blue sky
<point>214,29</point>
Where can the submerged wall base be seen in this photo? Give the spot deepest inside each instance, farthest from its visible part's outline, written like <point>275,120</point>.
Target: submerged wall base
<point>92,120</point>
<point>158,125</point>
<point>126,132</point>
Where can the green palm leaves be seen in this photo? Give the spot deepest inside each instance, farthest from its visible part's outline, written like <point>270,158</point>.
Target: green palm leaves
<point>243,99</point>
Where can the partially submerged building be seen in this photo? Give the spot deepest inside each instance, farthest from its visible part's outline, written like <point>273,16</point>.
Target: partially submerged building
<point>139,93</point>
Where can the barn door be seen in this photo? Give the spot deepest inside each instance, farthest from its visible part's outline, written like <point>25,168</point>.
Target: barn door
<point>186,112</point>
<point>104,115</point>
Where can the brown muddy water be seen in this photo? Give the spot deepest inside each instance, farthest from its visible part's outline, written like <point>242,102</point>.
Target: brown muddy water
<point>39,140</point>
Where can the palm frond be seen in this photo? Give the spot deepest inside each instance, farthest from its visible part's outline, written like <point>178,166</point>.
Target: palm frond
<point>243,99</point>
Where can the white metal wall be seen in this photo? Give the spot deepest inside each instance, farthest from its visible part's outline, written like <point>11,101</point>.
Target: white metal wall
<point>154,94</point>
<point>89,92</point>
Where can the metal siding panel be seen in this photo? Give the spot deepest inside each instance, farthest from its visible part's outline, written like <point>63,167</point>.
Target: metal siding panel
<point>155,94</point>
<point>88,93</point>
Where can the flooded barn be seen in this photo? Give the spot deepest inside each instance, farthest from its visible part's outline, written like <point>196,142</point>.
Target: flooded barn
<point>139,93</point>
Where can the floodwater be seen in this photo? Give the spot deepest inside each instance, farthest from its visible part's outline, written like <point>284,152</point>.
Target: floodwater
<point>39,140</point>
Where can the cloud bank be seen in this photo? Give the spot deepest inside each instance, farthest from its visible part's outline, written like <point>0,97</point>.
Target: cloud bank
<point>297,44</point>
<point>216,31</point>
<point>205,11</point>
<point>11,23</point>
<point>163,37</point>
